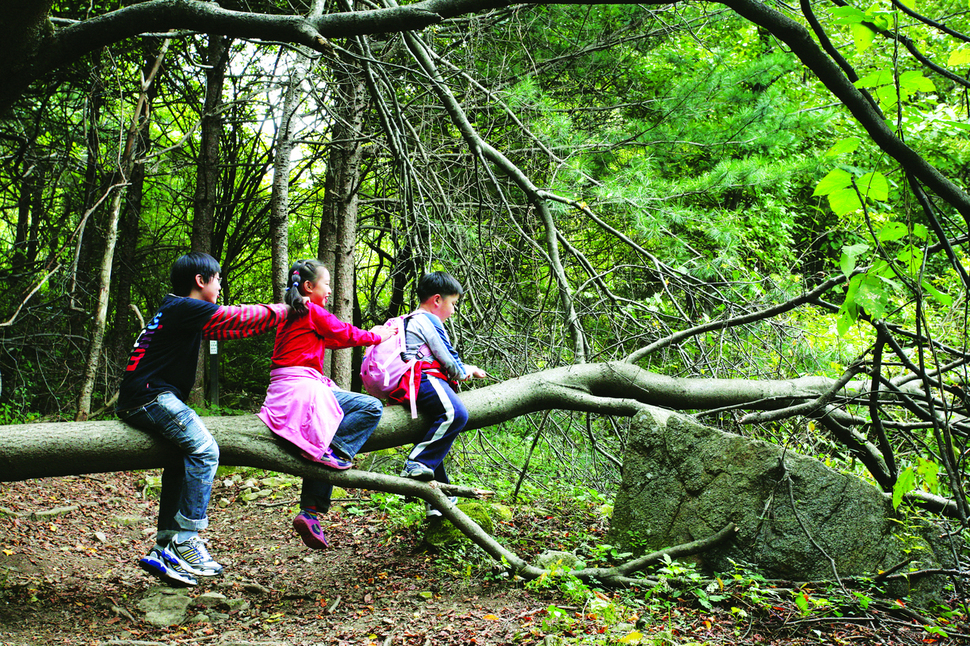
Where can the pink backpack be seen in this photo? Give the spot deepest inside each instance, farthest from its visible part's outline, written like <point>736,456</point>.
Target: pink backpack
<point>384,365</point>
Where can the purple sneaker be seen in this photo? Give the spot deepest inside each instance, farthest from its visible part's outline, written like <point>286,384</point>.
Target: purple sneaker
<point>329,459</point>
<point>308,527</point>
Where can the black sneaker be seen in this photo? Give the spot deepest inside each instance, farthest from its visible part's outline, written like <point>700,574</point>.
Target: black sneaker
<point>418,471</point>
<point>162,565</point>
<point>193,556</point>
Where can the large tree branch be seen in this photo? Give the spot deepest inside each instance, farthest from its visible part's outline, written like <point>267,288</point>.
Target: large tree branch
<point>58,449</point>
<point>34,48</point>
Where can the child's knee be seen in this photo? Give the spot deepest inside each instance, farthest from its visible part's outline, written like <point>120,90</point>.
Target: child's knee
<point>374,407</point>
<point>207,450</point>
<point>460,417</point>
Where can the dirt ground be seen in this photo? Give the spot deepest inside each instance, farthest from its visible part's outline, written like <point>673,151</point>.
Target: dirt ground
<point>68,575</point>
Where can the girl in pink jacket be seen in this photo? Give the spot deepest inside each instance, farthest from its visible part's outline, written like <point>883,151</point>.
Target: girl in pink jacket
<point>304,406</point>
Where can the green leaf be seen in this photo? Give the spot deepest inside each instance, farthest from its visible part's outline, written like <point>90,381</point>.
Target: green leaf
<point>835,180</point>
<point>914,81</point>
<point>957,124</point>
<point>849,312</point>
<point>847,145</point>
<point>929,471</point>
<point>941,297</point>
<point>905,482</point>
<point>849,254</point>
<point>864,601</point>
<point>887,95</point>
<point>874,186</point>
<point>846,319</point>
<point>847,15</point>
<point>862,35</point>
<point>892,231</point>
<point>959,56</point>
<point>911,257</point>
<point>880,19</point>
<point>876,79</point>
<point>920,231</point>
<point>845,201</point>
<point>873,297</point>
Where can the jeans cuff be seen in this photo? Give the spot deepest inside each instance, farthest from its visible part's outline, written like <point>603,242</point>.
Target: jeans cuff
<point>191,525</point>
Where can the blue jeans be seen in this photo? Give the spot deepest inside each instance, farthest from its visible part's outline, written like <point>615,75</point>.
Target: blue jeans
<point>186,488</point>
<point>361,416</point>
<point>438,399</point>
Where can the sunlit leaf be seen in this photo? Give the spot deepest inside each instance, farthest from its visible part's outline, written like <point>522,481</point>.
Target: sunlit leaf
<point>941,297</point>
<point>905,482</point>
<point>873,297</point>
<point>881,20</point>
<point>929,471</point>
<point>835,180</point>
<point>959,56</point>
<point>892,231</point>
<point>847,15</point>
<point>847,145</point>
<point>862,36</point>
<point>874,186</point>
<point>845,201</point>
<point>914,81</point>
<point>875,79</point>
<point>847,262</point>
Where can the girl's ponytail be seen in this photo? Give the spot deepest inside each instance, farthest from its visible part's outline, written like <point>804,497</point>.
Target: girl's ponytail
<point>294,296</point>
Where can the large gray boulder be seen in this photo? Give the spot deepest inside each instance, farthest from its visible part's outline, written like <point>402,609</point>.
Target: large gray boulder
<point>797,519</point>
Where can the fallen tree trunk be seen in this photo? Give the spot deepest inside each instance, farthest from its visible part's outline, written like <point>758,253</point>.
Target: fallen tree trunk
<point>74,448</point>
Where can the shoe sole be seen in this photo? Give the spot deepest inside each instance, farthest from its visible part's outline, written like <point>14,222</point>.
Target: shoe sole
<point>310,539</point>
<point>423,476</point>
<point>158,570</point>
<point>336,466</point>
<point>195,570</point>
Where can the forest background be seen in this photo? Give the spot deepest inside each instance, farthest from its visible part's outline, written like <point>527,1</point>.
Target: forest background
<point>710,191</point>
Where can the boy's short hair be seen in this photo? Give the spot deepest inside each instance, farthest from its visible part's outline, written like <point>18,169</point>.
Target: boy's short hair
<point>438,282</point>
<point>190,265</point>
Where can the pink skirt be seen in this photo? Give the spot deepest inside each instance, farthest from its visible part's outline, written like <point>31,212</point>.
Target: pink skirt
<point>300,407</point>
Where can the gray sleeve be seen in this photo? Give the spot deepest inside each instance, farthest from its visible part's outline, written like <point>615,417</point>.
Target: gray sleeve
<point>427,329</point>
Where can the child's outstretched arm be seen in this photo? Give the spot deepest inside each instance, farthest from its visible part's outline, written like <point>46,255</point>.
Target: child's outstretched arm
<point>475,371</point>
<point>240,321</point>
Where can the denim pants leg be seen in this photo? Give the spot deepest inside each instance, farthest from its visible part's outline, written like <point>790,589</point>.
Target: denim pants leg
<point>437,398</point>
<point>361,416</point>
<point>186,488</point>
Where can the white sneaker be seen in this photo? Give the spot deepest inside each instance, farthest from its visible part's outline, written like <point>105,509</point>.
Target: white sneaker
<point>193,556</point>
<point>434,513</point>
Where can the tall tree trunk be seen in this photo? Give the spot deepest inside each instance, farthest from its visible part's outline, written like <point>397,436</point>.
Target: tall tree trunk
<point>338,231</point>
<point>111,236</point>
<point>127,265</point>
<point>101,313</point>
<point>207,173</point>
<point>280,202</point>
<point>29,203</point>
<point>93,196</point>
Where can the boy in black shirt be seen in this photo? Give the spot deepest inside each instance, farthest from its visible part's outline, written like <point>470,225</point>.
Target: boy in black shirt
<point>160,373</point>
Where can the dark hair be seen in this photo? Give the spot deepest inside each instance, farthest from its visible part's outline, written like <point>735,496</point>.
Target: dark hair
<point>438,282</point>
<point>187,267</point>
<point>300,271</point>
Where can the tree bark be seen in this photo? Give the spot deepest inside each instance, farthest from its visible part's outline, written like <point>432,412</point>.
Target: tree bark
<point>125,164</point>
<point>338,230</point>
<point>280,200</point>
<point>616,388</point>
<point>207,171</point>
